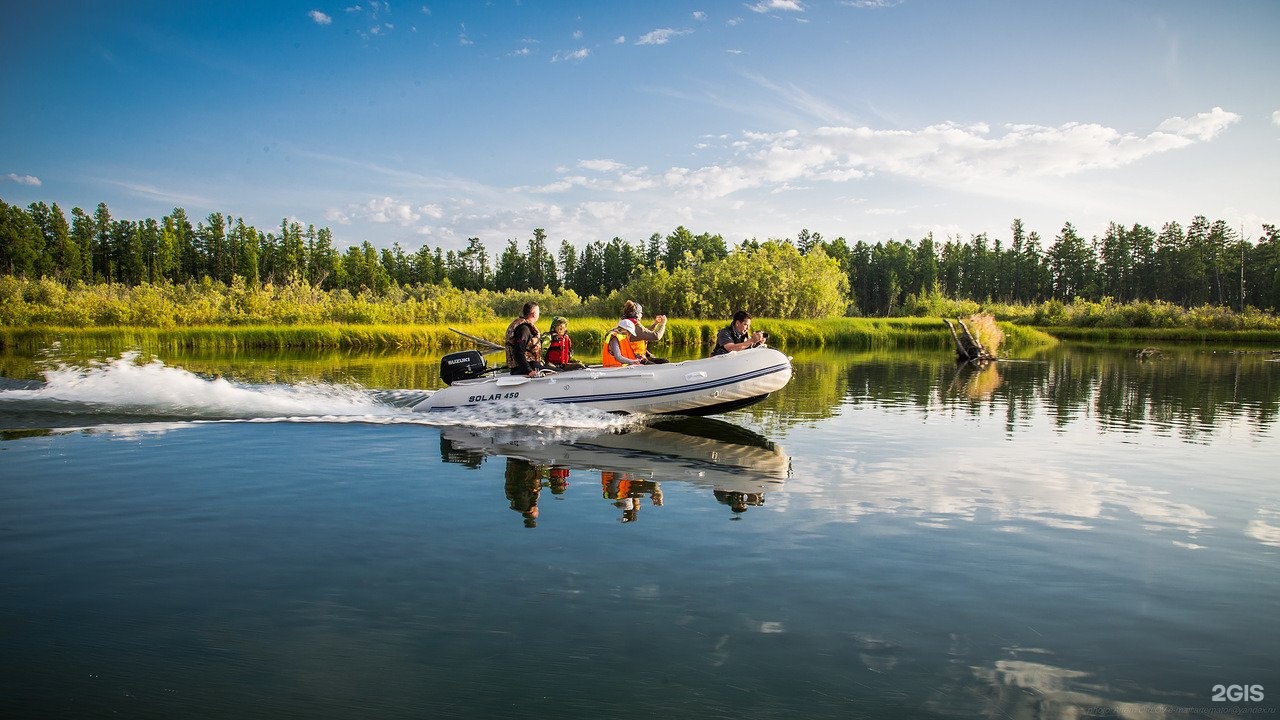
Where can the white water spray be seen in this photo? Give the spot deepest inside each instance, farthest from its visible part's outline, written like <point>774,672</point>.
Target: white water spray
<point>128,389</point>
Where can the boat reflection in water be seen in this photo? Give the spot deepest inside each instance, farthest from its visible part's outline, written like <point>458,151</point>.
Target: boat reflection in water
<point>737,465</point>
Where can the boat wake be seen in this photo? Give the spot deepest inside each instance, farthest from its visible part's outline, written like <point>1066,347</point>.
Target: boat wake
<point>129,390</point>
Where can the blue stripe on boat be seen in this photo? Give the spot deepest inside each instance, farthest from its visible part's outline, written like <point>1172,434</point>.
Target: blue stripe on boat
<point>659,392</point>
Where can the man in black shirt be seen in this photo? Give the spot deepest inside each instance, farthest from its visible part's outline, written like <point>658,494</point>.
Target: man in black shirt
<point>737,335</point>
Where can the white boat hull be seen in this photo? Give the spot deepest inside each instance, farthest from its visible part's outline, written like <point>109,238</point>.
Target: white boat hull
<point>692,387</point>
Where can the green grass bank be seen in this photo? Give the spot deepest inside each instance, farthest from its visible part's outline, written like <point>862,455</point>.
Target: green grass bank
<point>587,333</point>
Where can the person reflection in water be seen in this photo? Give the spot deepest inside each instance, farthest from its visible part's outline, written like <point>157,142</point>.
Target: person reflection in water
<point>626,492</point>
<point>738,502</point>
<point>524,482</point>
<point>558,480</point>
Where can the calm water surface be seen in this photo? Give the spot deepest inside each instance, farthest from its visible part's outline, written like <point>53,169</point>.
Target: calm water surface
<point>1080,534</point>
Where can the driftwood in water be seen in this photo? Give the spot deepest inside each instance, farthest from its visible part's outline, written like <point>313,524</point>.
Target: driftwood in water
<point>488,346</point>
<point>968,348</point>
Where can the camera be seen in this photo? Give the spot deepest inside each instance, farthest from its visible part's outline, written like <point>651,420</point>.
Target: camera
<point>764,335</point>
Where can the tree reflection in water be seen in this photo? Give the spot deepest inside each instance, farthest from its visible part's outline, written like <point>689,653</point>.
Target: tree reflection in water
<point>1184,392</point>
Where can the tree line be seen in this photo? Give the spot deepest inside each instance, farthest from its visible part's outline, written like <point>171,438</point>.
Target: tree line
<point>1203,263</point>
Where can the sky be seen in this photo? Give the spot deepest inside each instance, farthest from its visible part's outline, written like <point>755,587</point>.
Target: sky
<point>428,123</point>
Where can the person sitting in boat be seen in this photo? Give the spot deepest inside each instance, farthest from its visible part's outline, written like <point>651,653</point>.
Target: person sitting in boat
<point>642,336</point>
<point>523,345</point>
<point>560,352</point>
<point>619,349</point>
<point>737,335</point>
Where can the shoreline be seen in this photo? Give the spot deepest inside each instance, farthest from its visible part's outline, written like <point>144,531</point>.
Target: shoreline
<point>587,333</point>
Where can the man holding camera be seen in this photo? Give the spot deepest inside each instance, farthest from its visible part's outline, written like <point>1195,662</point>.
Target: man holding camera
<point>737,335</point>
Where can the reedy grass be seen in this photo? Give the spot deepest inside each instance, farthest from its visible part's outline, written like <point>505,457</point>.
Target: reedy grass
<point>35,313</point>
<point>587,334</point>
<point>1176,335</point>
<point>1104,313</point>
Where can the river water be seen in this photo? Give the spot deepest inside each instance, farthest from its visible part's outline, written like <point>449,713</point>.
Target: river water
<point>1083,532</point>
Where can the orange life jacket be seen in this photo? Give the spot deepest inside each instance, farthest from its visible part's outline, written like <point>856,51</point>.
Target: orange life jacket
<point>624,343</point>
<point>642,346</point>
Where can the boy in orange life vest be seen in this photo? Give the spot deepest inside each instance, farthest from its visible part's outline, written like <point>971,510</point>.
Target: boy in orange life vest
<point>618,350</point>
<point>560,351</point>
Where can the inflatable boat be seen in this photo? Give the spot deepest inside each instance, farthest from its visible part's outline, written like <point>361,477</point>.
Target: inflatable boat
<point>693,387</point>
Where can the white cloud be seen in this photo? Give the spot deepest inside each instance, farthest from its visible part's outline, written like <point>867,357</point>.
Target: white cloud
<point>871,3</point>
<point>320,18</point>
<point>620,40</point>
<point>614,177</point>
<point>970,157</point>
<point>24,179</point>
<point>387,210</point>
<point>577,34</point>
<point>803,100</point>
<point>600,165</point>
<point>604,211</point>
<point>1275,118</point>
<point>699,15</point>
<point>593,197</point>
<point>770,5</point>
<point>945,154</point>
<point>661,36</point>
<point>335,215</point>
<point>633,180</point>
<point>1204,126</point>
<point>561,185</point>
<point>155,193</point>
<point>580,54</point>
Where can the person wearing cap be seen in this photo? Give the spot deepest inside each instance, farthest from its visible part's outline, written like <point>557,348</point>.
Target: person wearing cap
<point>642,336</point>
<point>619,350</point>
<point>560,352</point>
<point>737,335</point>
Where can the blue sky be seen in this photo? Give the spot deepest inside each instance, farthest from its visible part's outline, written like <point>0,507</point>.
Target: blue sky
<point>433,122</point>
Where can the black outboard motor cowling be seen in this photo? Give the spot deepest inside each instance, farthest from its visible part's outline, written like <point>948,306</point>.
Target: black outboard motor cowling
<point>462,366</point>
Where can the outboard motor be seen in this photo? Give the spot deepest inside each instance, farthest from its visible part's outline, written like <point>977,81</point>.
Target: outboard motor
<point>462,366</point>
